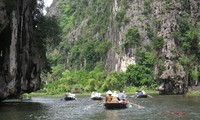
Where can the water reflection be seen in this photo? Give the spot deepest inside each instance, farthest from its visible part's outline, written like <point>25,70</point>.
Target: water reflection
<point>158,107</point>
<point>112,115</point>
<point>21,110</point>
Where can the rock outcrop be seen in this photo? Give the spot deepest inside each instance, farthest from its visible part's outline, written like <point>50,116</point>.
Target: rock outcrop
<point>19,65</point>
<point>152,19</point>
<point>173,78</point>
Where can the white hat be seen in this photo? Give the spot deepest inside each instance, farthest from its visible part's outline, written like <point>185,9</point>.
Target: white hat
<point>108,92</point>
<point>115,94</point>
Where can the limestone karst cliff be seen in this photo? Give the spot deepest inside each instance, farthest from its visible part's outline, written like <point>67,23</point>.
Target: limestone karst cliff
<point>20,64</point>
<point>162,19</point>
<point>167,28</point>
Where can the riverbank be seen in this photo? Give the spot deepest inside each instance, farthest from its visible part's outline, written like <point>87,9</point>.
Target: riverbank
<point>193,91</point>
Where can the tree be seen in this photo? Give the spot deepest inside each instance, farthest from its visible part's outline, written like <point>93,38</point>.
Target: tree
<point>139,75</point>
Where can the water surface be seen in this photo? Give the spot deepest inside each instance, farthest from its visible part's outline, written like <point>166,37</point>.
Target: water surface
<point>156,108</point>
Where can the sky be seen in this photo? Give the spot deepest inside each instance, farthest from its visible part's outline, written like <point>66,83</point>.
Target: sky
<point>47,3</point>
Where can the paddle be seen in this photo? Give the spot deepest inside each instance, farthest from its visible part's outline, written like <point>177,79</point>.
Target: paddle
<point>139,106</point>
<point>133,96</point>
<point>150,96</point>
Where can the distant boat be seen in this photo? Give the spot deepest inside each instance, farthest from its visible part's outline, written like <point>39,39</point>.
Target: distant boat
<point>115,105</point>
<point>70,96</point>
<point>96,96</point>
<point>141,94</point>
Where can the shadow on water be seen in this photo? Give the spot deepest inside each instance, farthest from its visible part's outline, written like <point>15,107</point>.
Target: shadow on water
<point>21,110</point>
<point>156,108</point>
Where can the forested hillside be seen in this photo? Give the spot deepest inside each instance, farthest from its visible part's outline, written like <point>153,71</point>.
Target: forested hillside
<point>124,43</point>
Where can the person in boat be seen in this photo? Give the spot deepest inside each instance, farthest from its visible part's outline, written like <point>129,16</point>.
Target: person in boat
<point>109,96</point>
<point>137,93</point>
<point>115,97</point>
<point>143,92</point>
<point>70,95</point>
<point>140,93</point>
<point>122,96</point>
<point>93,94</point>
<point>96,94</point>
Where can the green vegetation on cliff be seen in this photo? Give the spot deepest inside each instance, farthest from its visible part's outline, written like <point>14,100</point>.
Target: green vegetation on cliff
<point>80,59</point>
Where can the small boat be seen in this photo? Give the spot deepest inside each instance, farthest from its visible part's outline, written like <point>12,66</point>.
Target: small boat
<point>115,105</point>
<point>141,96</point>
<point>69,98</point>
<point>96,98</point>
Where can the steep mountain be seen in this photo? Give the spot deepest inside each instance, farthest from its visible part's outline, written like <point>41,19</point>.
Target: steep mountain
<point>20,57</point>
<point>117,33</point>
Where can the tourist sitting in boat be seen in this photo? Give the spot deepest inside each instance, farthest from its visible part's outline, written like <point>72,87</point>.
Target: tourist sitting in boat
<point>122,96</point>
<point>140,93</point>
<point>115,97</point>
<point>96,96</point>
<point>112,102</point>
<point>109,96</point>
<point>71,95</point>
<point>93,94</point>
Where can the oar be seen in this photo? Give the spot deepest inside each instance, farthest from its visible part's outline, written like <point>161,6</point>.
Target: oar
<point>133,96</point>
<point>139,106</point>
<point>150,96</point>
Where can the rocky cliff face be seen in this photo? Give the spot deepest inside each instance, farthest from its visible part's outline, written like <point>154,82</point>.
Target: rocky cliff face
<point>19,65</point>
<point>173,78</point>
<point>168,20</point>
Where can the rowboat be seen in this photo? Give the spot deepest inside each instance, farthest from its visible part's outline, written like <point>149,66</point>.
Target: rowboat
<point>115,105</point>
<point>96,98</point>
<point>141,96</point>
<point>69,98</point>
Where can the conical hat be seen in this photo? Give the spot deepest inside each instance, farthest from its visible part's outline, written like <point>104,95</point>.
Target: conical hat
<point>108,92</point>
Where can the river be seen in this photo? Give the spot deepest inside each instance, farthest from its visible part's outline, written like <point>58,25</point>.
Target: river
<point>156,108</point>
